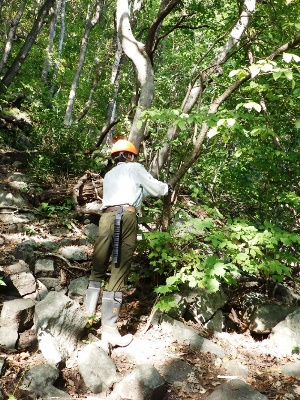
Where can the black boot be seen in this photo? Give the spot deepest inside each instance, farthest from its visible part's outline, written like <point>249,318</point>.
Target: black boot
<point>91,298</point>
<point>111,306</point>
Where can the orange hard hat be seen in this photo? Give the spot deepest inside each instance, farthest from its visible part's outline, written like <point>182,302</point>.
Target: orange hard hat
<point>123,145</point>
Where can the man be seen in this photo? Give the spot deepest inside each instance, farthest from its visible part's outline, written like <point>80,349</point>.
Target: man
<point>124,188</point>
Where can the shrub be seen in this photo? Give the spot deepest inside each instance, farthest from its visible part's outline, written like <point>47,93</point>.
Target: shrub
<point>202,253</point>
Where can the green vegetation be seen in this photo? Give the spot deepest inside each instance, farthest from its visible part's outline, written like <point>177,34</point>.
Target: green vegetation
<point>223,126</point>
<point>201,252</point>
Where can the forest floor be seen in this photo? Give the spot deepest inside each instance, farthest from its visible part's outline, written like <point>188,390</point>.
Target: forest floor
<point>191,374</point>
<point>201,372</point>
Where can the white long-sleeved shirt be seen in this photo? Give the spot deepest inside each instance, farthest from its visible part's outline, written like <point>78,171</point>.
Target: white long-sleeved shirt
<point>129,183</point>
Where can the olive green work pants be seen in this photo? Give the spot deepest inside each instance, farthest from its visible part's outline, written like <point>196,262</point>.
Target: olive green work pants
<point>104,246</point>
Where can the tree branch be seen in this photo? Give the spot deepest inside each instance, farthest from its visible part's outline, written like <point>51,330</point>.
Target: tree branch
<point>166,6</point>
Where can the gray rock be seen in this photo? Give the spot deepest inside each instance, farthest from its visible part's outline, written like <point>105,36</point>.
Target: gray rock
<point>44,267</point>
<point>235,368</point>
<point>24,283</point>
<point>17,164</point>
<point>8,338</point>
<point>264,317</point>
<point>18,180</point>
<point>285,336</point>
<point>60,320</point>
<point>17,314</point>
<point>52,284</point>
<point>175,371</point>
<point>17,177</point>
<point>96,368</point>
<point>203,304</point>
<point>251,299</point>
<point>16,221</point>
<point>12,199</point>
<point>181,306</point>
<point>49,348</point>
<point>16,268</point>
<point>25,251</point>
<point>73,253</point>
<point>181,332</point>
<point>143,383</point>
<point>209,346</point>
<point>41,290</point>
<point>27,340</point>
<point>291,369</point>
<point>49,246</point>
<point>187,335</point>
<point>40,380</point>
<point>236,390</point>
<point>216,323</point>
<point>77,288</point>
<point>287,295</point>
<point>91,231</point>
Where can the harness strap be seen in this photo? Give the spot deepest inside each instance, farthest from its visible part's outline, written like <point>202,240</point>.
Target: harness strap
<point>117,234</point>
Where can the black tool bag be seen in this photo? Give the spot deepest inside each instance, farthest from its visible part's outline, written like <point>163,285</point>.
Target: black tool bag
<point>117,234</point>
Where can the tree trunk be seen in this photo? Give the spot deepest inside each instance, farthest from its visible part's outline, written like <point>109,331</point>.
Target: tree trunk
<point>49,50</point>
<point>60,44</point>
<point>136,52</point>
<point>11,36</point>
<point>21,56</point>
<point>115,82</point>
<point>84,43</point>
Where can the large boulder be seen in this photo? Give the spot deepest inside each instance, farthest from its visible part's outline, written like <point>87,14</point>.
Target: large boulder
<point>18,314</point>
<point>236,390</point>
<point>198,304</point>
<point>25,251</point>
<point>187,335</point>
<point>40,381</point>
<point>143,383</point>
<point>264,317</point>
<point>59,324</point>
<point>96,368</point>
<point>285,336</point>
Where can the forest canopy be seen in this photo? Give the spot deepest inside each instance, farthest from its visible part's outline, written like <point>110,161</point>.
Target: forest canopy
<point>207,91</point>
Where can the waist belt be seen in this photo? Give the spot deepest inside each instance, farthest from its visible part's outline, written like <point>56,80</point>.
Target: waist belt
<point>115,208</point>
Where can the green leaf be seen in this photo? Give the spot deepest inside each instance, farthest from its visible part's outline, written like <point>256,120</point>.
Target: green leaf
<point>212,132</point>
<point>162,289</point>
<point>289,75</point>
<point>254,70</point>
<point>171,280</point>
<point>166,303</point>
<point>287,57</point>
<point>296,58</point>
<point>219,269</point>
<point>297,124</point>
<point>213,284</point>
<point>277,75</point>
<point>231,121</point>
<point>254,105</point>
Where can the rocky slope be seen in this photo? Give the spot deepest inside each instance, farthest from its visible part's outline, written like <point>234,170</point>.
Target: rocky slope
<point>44,261</point>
